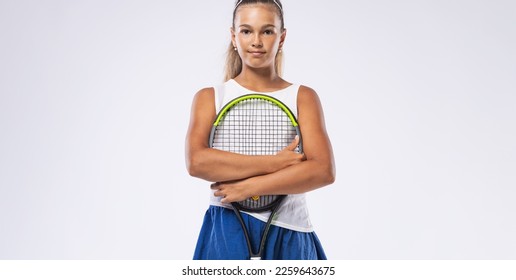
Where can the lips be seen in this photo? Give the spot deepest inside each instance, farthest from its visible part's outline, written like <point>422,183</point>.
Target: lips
<point>256,53</point>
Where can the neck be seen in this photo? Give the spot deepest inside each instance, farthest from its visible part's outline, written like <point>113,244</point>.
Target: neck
<point>259,79</point>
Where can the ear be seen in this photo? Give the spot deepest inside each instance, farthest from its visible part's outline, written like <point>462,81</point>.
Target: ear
<point>233,40</point>
<point>282,37</point>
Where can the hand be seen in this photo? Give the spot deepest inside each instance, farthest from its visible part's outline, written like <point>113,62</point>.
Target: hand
<point>288,155</point>
<point>232,191</point>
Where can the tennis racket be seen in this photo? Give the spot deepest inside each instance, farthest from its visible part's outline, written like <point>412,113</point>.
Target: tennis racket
<point>255,124</point>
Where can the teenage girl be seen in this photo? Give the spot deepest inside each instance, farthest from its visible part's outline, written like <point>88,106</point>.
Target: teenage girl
<point>254,66</point>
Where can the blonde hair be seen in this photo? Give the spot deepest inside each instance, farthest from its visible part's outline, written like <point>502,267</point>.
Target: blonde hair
<point>233,65</point>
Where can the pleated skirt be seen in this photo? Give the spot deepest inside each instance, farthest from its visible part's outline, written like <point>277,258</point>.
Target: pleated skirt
<point>222,238</point>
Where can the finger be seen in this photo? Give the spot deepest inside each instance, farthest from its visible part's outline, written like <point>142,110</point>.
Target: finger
<point>219,193</point>
<point>215,186</point>
<point>292,146</point>
<point>225,199</point>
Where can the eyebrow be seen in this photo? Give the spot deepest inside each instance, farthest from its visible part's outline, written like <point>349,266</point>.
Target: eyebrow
<point>263,27</point>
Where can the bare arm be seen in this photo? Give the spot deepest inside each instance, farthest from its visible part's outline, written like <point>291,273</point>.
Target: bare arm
<point>217,166</point>
<point>316,171</point>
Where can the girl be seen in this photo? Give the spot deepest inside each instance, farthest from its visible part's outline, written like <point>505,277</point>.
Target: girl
<point>254,66</point>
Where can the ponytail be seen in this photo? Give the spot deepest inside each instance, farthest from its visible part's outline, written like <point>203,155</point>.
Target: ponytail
<point>233,63</point>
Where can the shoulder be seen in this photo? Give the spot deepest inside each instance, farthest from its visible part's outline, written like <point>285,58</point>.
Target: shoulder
<point>207,91</point>
<point>204,99</point>
<point>204,95</point>
<point>306,90</point>
<point>214,93</point>
<point>307,95</point>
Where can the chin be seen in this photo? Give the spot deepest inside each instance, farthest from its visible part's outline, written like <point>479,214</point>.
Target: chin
<point>259,65</point>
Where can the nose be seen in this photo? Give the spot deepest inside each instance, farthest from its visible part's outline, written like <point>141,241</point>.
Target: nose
<point>257,41</point>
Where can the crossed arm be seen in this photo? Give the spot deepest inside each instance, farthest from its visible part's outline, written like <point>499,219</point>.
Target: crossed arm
<point>239,176</point>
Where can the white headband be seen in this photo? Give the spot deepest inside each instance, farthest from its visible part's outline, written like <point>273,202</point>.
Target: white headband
<point>275,2</point>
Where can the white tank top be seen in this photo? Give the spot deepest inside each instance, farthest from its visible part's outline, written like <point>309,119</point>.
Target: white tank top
<point>293,212</point>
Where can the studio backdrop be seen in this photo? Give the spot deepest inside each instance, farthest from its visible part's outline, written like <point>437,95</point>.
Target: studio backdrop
<point>419,99</point>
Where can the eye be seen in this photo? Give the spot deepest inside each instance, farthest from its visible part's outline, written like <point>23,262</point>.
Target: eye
<point>268,32</point>
<point>245,31</point>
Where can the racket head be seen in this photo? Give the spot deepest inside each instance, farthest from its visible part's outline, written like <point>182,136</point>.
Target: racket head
<point>255,124</point>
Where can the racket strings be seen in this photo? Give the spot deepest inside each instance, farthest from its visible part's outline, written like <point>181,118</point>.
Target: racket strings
<point>254,127</point>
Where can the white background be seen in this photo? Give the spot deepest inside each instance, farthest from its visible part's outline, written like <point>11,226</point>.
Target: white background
<point>419,96</point>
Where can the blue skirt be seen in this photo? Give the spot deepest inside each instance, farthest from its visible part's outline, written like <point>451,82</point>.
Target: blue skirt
<point>222,238</point>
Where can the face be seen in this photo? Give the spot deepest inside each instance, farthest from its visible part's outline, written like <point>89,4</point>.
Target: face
<point>257,35</point>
